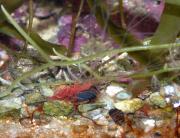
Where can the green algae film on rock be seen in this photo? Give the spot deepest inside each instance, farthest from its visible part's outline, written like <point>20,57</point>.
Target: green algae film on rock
<point>129,106</point>
<point>57,108</point>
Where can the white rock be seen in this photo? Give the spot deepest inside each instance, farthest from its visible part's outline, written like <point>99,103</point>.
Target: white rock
<point>113,89</point>
<point>14,103</point>
<point>101,120</point>
<point>169,90</point>
<point>149,124</point>
<point>9,104</point>
<point>176,104</point>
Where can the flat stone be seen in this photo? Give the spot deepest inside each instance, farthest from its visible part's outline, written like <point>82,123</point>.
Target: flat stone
<point>10,104</point>
<point>113,89</point>
<point>129,106</point>
<point>90,107</point>
<point>34,98</point>
<point>57,108</point>
<point>123,95</point>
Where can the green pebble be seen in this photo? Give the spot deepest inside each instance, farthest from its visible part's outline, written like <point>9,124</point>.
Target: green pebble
<point>129,106</point>
<point>34,98</point>
<point>157,99</point>
<point>57,108</point>
<point>90,107</point>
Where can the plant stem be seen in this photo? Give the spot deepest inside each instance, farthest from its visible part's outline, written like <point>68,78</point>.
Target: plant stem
<point>148,74</point>
<point>121,9</point>
<point>92,57</point>
<point>95,74</point>
<point>73,29</point>
<point>31,14</point>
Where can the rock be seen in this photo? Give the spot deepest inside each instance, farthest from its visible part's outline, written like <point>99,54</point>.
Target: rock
<point>10,104</point>
<point>87,95</point>
<point>176,102</point>
<point>157,99</point>
<point>46,91</point>
<point>17,92</point>
<point>101,119</point>
<point>94,113</point>
<point>25,113</point>
<point>90,107</point>
<point>14,114</point>
<point>162,113</point>
<point>129,106</point>
<point>117,116</point>
<point>57,108</point>
<point>168,90</point>
<point>123,95</point>
<point>145,94</point>
<point>43,13</point>
<point>34,98</point>
<point>155,84</point>
<point>113,89</point>
<point>146,124</point>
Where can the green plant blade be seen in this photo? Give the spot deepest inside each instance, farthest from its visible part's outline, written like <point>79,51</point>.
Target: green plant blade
<point>9,30</point>
<point>10,5</point>
<point>169,26</point>
<point>24,34</point>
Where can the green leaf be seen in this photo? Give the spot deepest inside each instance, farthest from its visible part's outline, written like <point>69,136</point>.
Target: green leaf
<point>173,2</point>
<point>10,5</point>
<point>169,26</point>
<point>9,30</point>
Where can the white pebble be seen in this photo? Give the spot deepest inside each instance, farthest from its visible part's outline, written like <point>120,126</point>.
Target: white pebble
<point>169,90</point>
<point>112,90</point>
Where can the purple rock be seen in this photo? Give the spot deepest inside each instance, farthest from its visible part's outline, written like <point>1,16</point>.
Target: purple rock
<point>64,37</point>
<point>20,14</point>
<point>91,26</point>
<point>143,17</point>
<point>65,20</point>
<point>43,13</point>
<point>86,25</point>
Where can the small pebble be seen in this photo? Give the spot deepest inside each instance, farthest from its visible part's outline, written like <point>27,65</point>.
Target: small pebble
<point>117,116</point>
<point>148,124</point>
<point>155,84</point>
<point>34,98</point>
<point>129,106</point>
<point>43,13</point>
<point>46,91</point>
<point>57,108</point>
<point>101,120</point>
<point>10,104</point>
<point>123,95</point>
<point>157,99</point>
<point>176,104</point>
<point>168,90</point>
<point>90,107</point>
<point>87,95</point>
<point>113,89</point>
<point>94,113</point>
